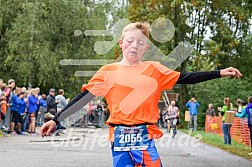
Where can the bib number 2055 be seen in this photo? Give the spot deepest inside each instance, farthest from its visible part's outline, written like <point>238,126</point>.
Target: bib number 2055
<point>131,138</point>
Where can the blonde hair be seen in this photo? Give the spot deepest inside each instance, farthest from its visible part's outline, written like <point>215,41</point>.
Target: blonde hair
<point>33,91</point>
<point>210,105</point>
<point>2,86</point>
<point>143,27</point>
<point>18,90</point>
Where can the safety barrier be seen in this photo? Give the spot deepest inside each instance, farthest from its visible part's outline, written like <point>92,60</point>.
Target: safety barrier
<point>239,129</point>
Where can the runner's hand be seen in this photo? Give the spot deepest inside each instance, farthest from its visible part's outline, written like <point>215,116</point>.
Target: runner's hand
<point>230,72</point>
<point>48,128</point>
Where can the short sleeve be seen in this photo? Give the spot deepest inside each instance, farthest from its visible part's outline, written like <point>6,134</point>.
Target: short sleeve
<point>224,109</point>
<point>168,77</point>
<point>97,84</point>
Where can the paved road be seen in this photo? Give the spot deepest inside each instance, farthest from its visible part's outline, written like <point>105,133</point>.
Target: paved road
<point>89,148</point>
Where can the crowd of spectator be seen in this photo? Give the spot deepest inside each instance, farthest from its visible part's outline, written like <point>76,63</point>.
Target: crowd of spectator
<point>22,109</point>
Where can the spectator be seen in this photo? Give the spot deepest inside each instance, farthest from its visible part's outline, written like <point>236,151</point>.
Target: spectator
<point>61,100</point>
<point>42,109</point>
<point>249,113</point>
<point>1,83</point>
<point>106,112</point>
<point>61,103</point>
<point>226,127</point>
<point>193,108</point>
<point>21,111</point>
<point>242,113</point>
<point>90,113</point>
<point>26,118</point>
<point>210,111</point>
<point>52,105</point>
<point>32,100</point>
<point>38,104</point>
<point>15,117</point>
<point>100,108</point>
<point>8,93</point>
<point>50,100</point>
<point>3,105</point>
<point>239,104</point>
<point>210,114</point>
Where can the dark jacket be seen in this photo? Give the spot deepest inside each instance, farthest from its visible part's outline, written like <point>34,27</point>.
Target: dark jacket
<point>51,103</point>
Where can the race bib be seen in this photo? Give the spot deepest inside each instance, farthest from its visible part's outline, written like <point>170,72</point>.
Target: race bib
<point>131,138</point>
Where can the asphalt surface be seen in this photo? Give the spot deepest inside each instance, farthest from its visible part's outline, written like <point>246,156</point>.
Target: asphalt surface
<point>90,148</point>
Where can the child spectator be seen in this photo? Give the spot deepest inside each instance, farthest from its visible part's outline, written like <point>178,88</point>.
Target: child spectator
<point>210,111</point>
<point>242,113</point>
<point>21,111</point>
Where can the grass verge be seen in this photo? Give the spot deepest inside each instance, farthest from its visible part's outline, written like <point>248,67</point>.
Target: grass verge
<point>217,141</point>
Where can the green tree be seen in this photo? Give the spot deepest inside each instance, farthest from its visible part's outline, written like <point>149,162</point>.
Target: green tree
<point>42,33</point>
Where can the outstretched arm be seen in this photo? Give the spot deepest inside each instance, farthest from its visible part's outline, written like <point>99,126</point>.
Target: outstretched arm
<point>242,114</point>
<point>73,106</point>
<point>197,77</point>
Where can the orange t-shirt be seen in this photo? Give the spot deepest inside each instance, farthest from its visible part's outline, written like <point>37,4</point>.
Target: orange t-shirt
<point>132,92</point>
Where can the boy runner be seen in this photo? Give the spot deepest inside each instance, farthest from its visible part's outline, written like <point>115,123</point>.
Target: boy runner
<point>132,89</point>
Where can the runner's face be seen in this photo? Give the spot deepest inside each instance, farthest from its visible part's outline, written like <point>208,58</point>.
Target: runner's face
<point>133,45</point>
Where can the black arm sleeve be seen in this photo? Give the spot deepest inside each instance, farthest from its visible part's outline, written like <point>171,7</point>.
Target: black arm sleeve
<point>197,77</point>
<point>74,105</point>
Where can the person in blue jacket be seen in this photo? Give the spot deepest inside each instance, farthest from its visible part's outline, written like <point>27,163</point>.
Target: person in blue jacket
<point>21,111</point>
<point>14,112</point>
<point>33,100</point>
<point>42,109</point>
<point>242,113</point>
<point>193,105</point>
<point>249,112</point>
